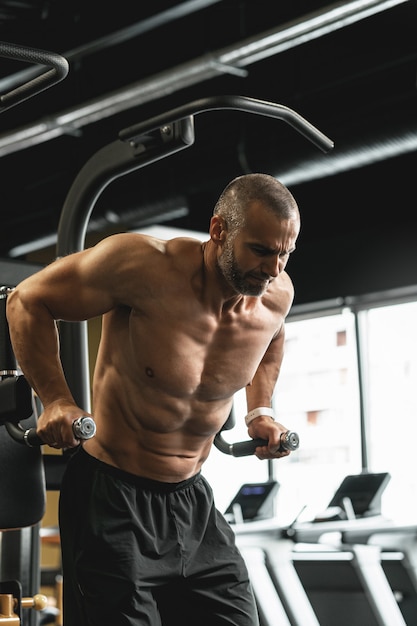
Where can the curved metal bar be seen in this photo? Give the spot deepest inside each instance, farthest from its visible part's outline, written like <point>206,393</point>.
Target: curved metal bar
<point>237,103</point>
<point>59,71</point>
<point>152,140</point>
<point>112,161</point>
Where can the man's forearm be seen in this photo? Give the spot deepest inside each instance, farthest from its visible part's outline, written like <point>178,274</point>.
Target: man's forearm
<point>35,345</point>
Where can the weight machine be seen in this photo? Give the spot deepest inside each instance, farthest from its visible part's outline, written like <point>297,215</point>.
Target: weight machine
<point>136,147</point>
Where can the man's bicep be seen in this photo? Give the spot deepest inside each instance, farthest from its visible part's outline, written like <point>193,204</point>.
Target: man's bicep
<point>276,347</point>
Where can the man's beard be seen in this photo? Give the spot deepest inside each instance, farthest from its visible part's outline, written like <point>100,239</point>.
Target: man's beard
<point>235,277</point>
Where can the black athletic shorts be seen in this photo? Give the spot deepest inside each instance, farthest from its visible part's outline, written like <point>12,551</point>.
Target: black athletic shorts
<point>138,552</point>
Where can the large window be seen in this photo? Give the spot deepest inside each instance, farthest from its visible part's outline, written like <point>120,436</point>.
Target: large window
<point>391,363</point>
<point>352,412</point>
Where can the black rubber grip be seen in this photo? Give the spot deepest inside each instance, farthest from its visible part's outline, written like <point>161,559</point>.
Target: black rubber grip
<point>7,357</point>
<point>289,441</point>
<point>83,428</point>
<point>246,448</point>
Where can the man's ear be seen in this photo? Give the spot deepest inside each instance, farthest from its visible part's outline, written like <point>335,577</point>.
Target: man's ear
<point>218,232</point>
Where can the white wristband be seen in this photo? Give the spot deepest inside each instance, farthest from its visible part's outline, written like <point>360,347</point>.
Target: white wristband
<point>262,410</point>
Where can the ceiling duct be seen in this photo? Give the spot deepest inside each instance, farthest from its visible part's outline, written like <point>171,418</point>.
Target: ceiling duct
<point>371,149</point>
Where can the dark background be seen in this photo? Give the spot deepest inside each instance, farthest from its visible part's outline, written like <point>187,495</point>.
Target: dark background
<point>356,84</point>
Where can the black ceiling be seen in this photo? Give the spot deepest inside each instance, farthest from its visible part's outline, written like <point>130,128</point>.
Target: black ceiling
<point>129,61</point>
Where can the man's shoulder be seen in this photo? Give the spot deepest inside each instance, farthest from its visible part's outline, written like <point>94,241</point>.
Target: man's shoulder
<point>136,252</point>
<point>280,294</point>
<point>133,246</point>
<point>142,241</point>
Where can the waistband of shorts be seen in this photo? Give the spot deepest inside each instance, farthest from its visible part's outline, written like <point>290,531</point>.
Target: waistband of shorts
<point>138,481</point>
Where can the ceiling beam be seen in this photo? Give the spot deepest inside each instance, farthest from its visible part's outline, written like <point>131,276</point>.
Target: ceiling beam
<point>232,59</point>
